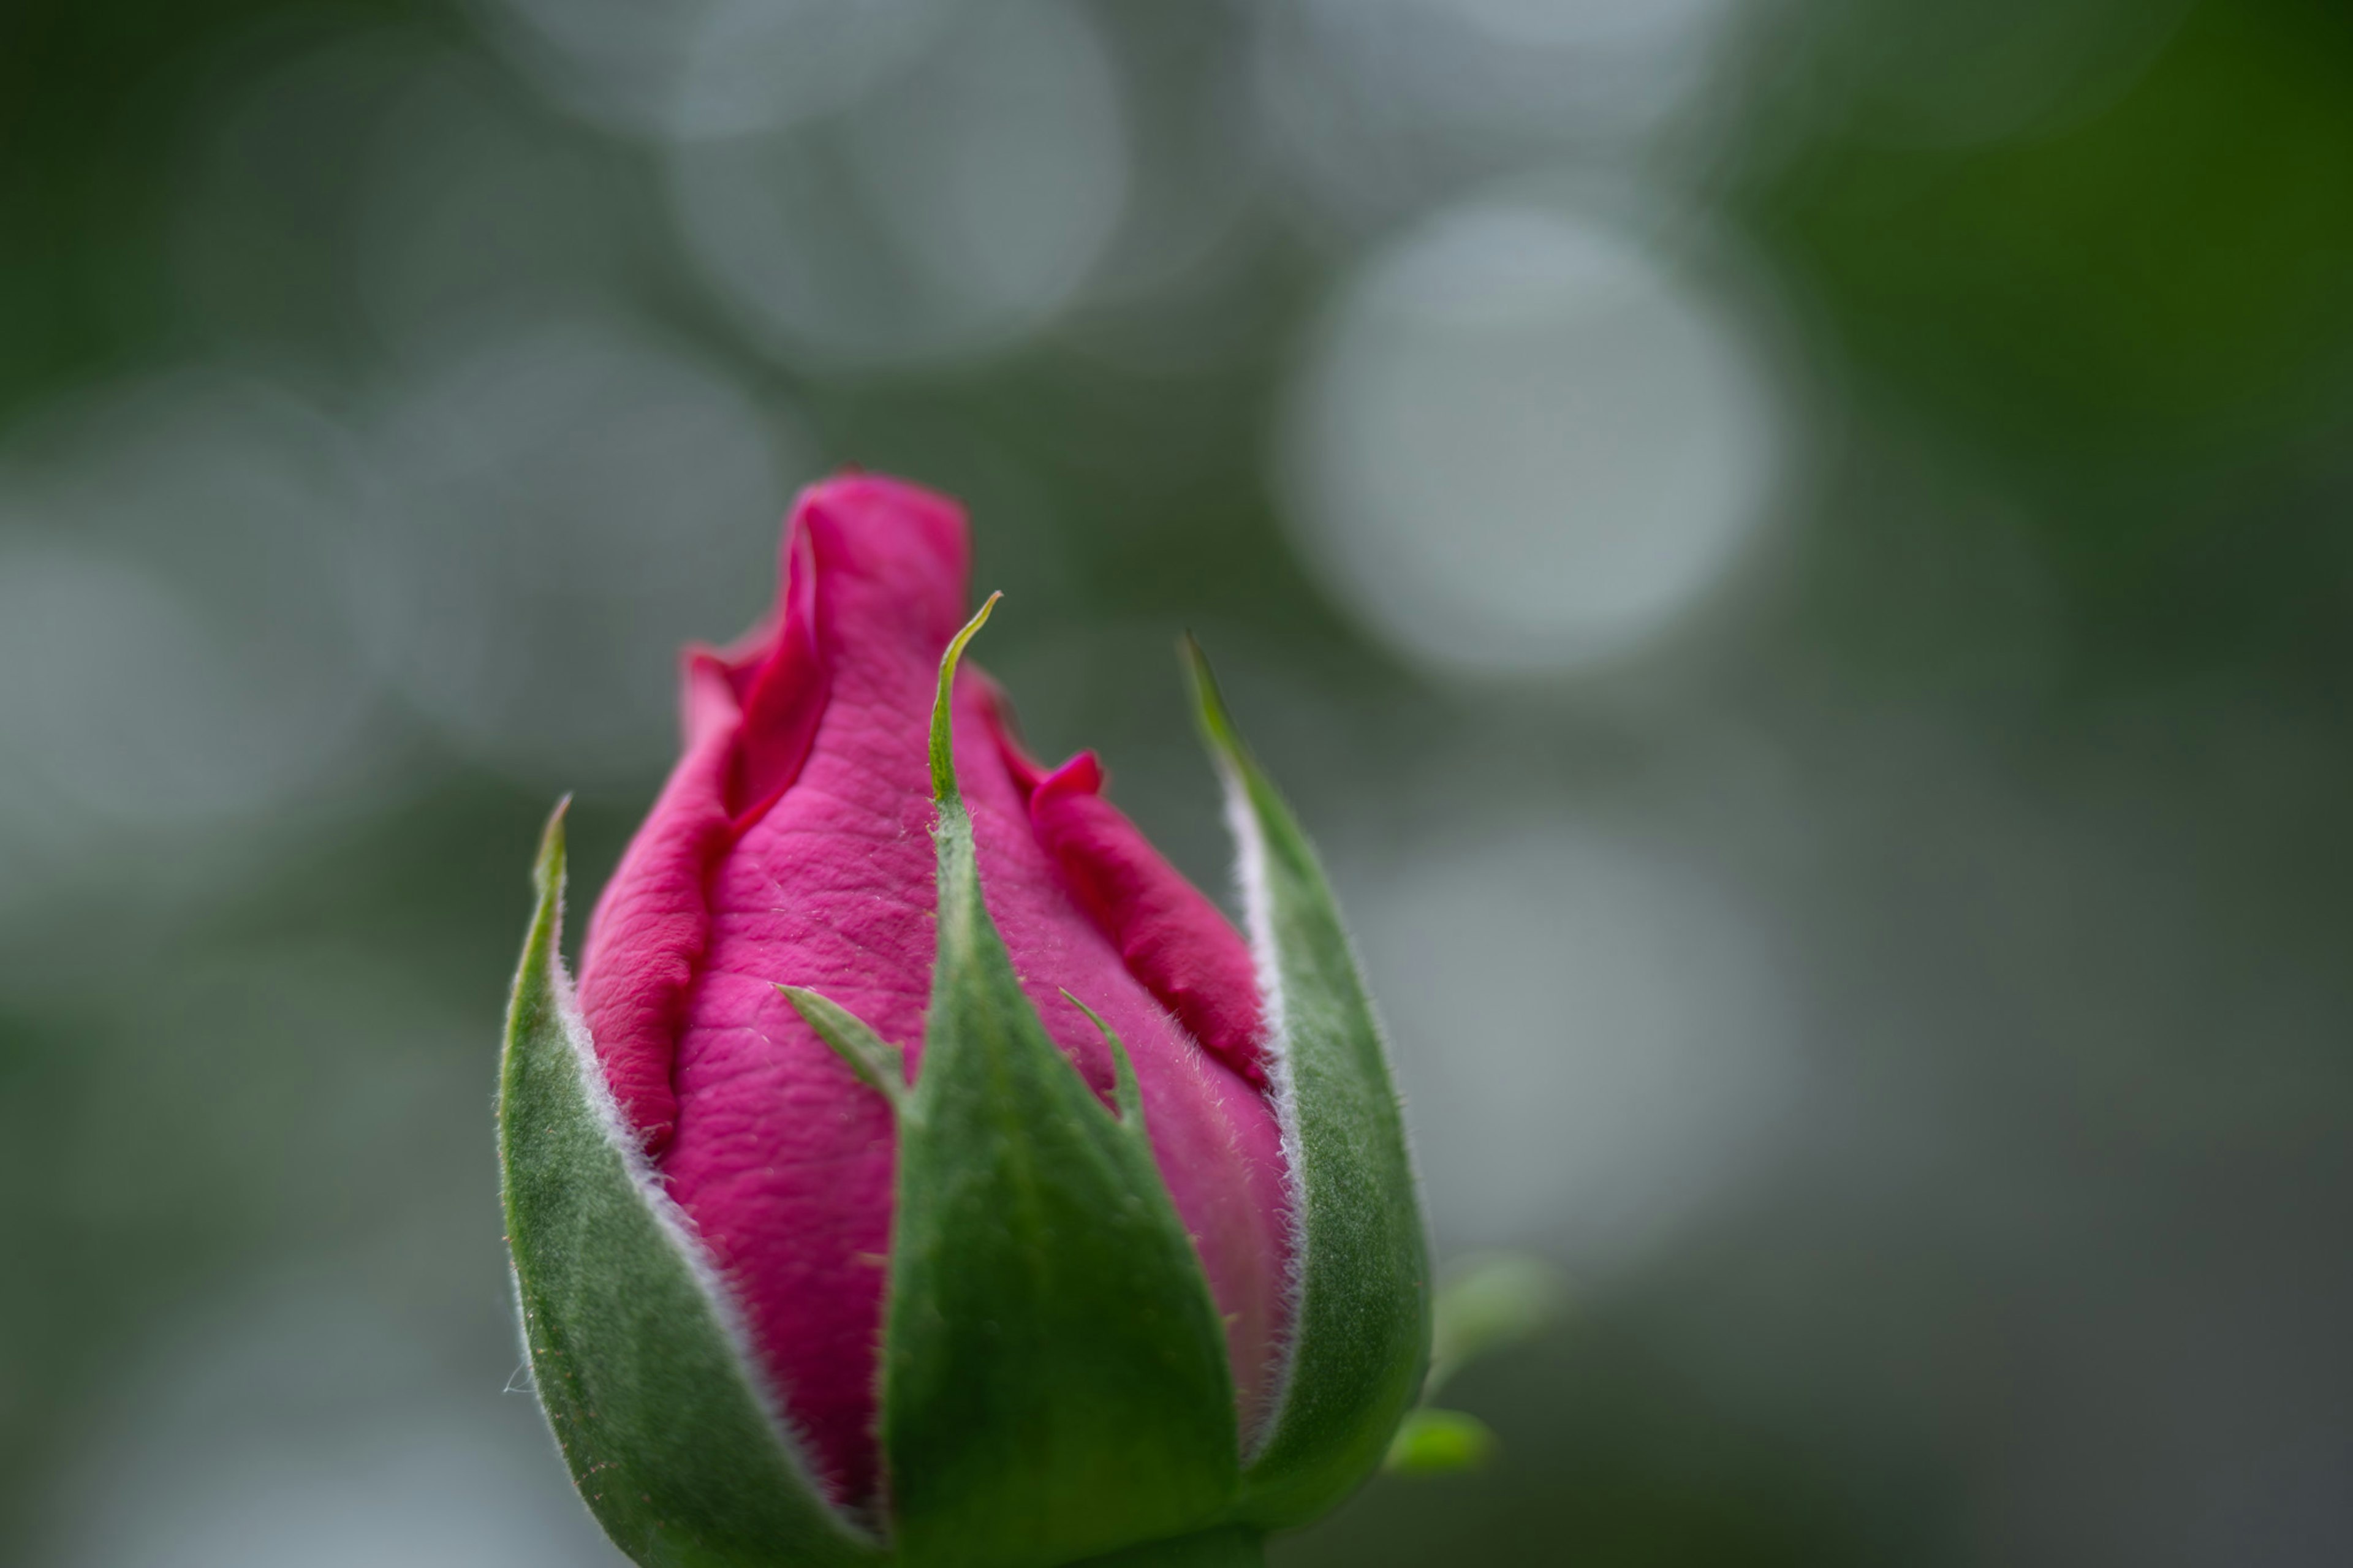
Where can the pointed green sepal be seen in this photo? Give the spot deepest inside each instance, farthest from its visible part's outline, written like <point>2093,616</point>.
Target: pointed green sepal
<point>1127,1093</point>
<point>1054,1382</point>
<point>880,1065</point>
<point>633,1349</point>
<point>1360,1316</point>
<point>944,773</point>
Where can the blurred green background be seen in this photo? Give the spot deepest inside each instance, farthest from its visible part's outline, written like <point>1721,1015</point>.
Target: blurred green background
<point>1793,554</point>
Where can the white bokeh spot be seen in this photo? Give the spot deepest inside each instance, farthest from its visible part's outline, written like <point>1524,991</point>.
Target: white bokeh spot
<point>954,211</point>
<point>1524,445</point>
<point>1588,1033</point>
<point>691,68</point>
<point>578,498</point>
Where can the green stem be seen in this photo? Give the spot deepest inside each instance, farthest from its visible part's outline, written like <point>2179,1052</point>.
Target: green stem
<point>1231,1548</point>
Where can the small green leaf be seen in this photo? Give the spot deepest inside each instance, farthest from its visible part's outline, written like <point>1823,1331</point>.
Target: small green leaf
<point>1490,1302</point>
<point>1125,1091</point>
<point>1054,1377</point>
<point>1431,1442</point>
<point>646,1386</point>
<point>1360,1332</point>
<point>878,1064</point>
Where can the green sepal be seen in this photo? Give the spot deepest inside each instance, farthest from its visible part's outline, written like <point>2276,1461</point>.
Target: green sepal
<point>1055,1384</point>
<point>880,1065</point>
<point>1360,1314</point>
<point>643,1379</point>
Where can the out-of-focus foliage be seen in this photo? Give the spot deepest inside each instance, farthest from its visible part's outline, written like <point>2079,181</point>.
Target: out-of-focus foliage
<point>2143,270</point>
<point>1490,1302</point>
<point>1792,553</point>
<point>1430,1441</point>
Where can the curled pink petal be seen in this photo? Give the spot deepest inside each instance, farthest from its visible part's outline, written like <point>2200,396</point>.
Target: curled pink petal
<point>1172,938</point>
<point>782,685</point>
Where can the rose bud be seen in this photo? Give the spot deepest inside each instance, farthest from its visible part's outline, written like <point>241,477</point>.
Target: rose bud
<point>925,1172</point>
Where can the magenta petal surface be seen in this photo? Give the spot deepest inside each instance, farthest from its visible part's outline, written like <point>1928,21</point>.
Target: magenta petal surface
<point>1171,937</point>
<point>793,845</point>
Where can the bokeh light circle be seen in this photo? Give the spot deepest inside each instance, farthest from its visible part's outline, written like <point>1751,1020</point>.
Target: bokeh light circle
<point>177,565</point>
<point>691,68</point>
<point>1376,108</point>
<point>1589,1031</point>
<point>578,497</point>
<point>954,210</point>
<point>122,705</point>
<point>1525,445</point>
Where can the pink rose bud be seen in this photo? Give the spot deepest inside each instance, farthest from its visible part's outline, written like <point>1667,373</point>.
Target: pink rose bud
<point>794,844</point>
<point>711,1223</point>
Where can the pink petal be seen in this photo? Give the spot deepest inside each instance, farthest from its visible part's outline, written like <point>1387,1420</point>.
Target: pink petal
<point>1170,935</point>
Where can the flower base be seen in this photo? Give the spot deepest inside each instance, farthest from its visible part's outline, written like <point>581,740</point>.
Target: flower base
<point>1237,1548</point>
